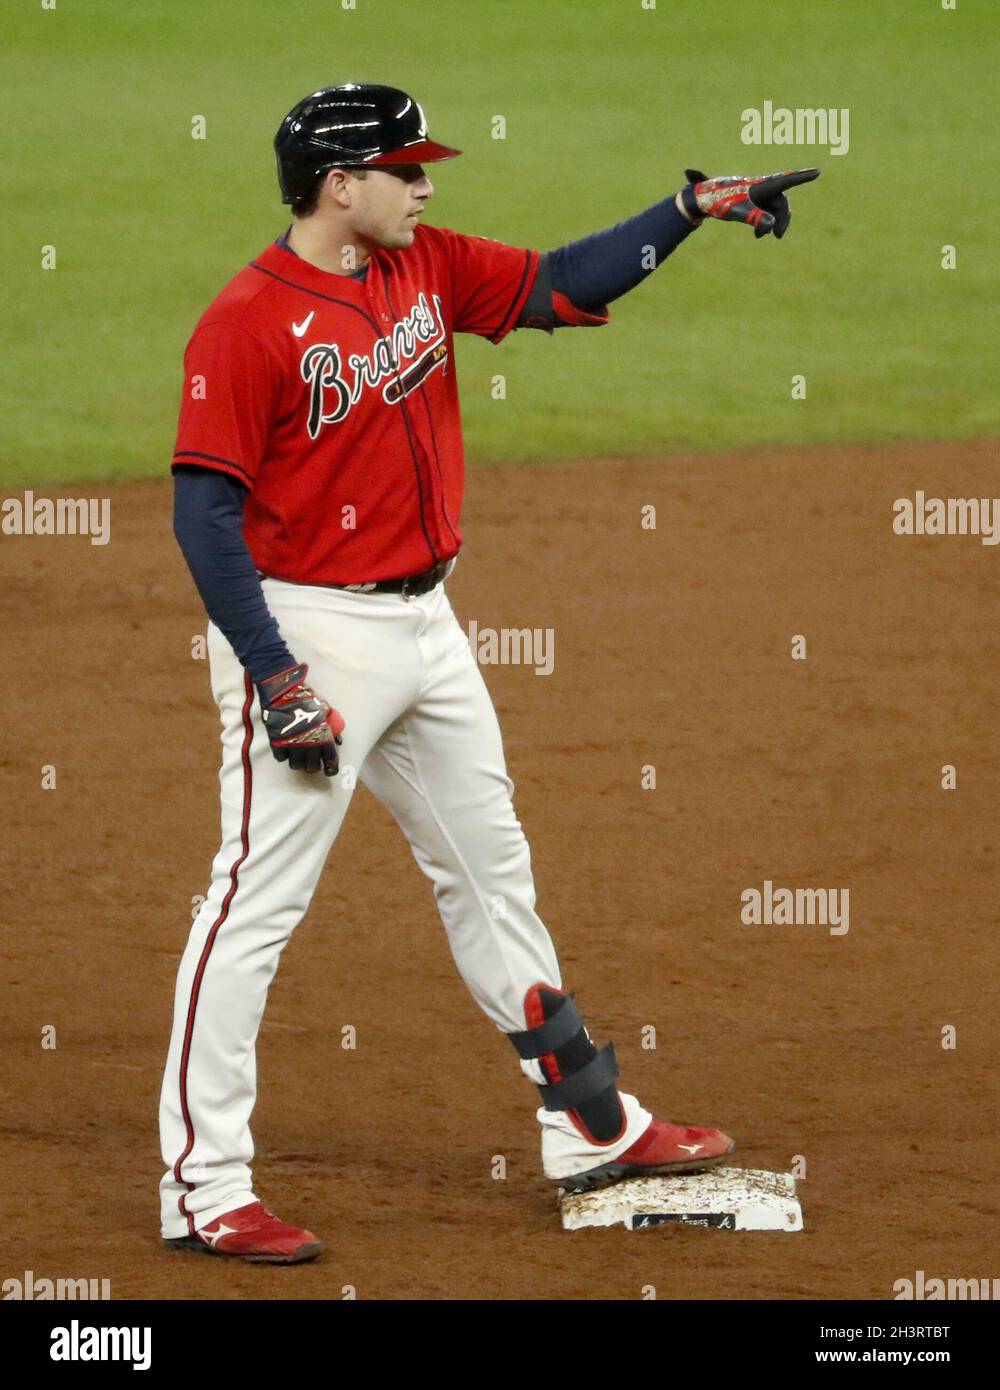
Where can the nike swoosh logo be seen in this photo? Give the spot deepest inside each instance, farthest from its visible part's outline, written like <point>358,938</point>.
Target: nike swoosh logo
<point>691,1148</point>
<point>299,328</point>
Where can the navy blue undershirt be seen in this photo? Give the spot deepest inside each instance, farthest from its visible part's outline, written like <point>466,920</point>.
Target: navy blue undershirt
<point>598,269</point>
<point>208,506</point>
<point>208,524</point>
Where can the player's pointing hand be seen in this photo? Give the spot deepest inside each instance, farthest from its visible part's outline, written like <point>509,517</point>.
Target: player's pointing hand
<point>760,202</point>
<point>304,730</point>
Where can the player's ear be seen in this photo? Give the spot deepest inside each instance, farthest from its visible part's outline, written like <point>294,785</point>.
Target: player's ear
<point>339,186</point>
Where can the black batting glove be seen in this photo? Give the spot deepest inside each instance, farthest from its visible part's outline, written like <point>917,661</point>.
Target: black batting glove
<point>759,202</point>
<point>304,730</point>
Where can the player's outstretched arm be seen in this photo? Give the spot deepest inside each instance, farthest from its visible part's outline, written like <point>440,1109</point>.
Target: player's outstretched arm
<point>575,283</point>
<point>760,201</point>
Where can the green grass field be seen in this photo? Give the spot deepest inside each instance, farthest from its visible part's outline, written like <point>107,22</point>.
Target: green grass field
<point>605,104</point>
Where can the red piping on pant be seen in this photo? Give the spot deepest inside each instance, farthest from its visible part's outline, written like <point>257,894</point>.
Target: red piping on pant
<point>210,942</point>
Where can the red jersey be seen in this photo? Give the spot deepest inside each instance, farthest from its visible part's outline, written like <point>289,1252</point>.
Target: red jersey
<point>335,401</point>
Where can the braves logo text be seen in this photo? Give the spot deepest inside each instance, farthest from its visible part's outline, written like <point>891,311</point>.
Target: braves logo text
<point>418,340</point>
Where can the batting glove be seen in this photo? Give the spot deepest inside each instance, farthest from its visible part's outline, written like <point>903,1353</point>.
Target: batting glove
<point>759,202</point>
<point>304,730</point>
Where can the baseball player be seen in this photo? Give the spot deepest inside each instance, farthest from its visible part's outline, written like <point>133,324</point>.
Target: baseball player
<point>318,491</point>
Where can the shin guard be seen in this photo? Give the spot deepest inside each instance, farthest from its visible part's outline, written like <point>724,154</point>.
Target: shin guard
<point>579,1079</point>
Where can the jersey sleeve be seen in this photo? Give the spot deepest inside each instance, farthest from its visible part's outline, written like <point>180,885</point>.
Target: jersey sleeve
<point>229,401</point>
<point>490,283</point>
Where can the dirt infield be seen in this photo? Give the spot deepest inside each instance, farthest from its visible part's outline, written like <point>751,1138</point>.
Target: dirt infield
<point>672,649</point>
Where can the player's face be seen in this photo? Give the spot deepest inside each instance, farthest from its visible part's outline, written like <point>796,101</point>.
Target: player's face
<point>388,203</point>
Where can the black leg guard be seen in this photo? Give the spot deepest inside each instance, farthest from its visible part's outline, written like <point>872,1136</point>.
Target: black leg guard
<point>579,1078</point>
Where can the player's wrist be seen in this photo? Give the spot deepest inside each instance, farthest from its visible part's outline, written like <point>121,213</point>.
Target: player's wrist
<point>273,687</point>
<point>686,204</point>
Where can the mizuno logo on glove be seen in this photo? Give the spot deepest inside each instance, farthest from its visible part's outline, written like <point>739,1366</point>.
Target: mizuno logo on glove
<point>303,729</point>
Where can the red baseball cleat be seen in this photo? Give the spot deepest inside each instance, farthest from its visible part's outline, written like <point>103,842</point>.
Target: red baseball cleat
<point>252,1233</point>
<point>663,1149</point>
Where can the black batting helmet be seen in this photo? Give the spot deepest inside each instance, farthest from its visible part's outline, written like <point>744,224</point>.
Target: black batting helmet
<point>343,127</point>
